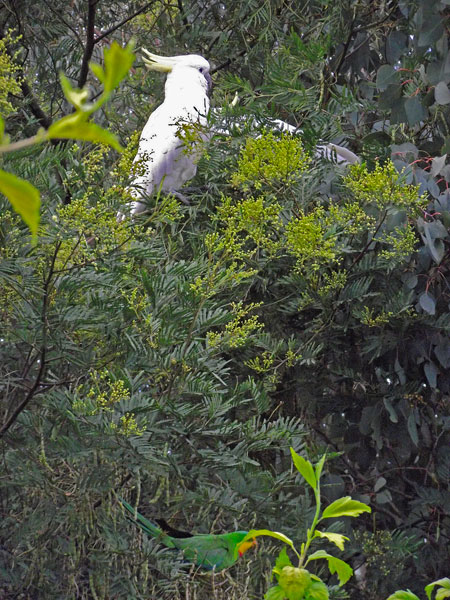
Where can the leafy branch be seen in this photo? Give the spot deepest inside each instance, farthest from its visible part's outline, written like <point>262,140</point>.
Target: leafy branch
<point>24,197</point>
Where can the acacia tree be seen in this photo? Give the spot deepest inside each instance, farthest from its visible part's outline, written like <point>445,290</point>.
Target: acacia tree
<point>176,359</point>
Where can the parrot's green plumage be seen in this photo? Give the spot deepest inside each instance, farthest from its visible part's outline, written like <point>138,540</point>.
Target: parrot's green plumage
<point>207,551</point>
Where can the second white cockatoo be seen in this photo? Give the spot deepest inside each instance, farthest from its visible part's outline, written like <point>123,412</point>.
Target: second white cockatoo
<point>164,161</point>
<point>329,151</point>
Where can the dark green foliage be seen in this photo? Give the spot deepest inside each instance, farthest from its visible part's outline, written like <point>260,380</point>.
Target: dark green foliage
<point>173,360</point>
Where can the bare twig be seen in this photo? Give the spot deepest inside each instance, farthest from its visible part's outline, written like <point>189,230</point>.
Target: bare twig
<point>118,25</point>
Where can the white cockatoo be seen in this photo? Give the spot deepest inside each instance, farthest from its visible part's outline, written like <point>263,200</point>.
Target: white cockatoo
<point>164,161</point>
<point>331,152</point>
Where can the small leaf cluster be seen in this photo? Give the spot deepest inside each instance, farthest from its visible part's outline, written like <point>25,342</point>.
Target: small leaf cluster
<point>9,70</point>
<point>239,329</point>
<point>270,160</point>
<point>384,187</point>
<point>308,240</point>
<point>248,226</point>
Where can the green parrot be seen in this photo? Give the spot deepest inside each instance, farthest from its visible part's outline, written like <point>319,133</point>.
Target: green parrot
<point>207,551</point>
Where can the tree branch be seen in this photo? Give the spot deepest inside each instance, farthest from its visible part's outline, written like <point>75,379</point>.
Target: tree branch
<point>115,27</point>
<point>90,41</point>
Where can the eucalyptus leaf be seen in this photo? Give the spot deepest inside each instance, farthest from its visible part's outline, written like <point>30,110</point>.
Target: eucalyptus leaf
<point>438,164</point>
<point>412,428</point>
<point>415,110</point>
<point>431,373</point>
<point>442,93</point>
<point>427,302</point>
<point>387,75</point>
<point>380,482</point>
<point>396,46</point>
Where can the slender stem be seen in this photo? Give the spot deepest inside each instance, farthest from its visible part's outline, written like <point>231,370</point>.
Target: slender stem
<point>310,532</point>
<point>20,144</point>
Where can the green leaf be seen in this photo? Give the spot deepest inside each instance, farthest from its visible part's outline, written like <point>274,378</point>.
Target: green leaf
<point>282,561</point>
<point>387,75</point>
<point>319,467</point>
<point>345,507</point>
<point>415,110</point>
<point>118,62</point>
<point>317,591</point>
<point>444,583</point>
<point>98,71</point>
<point>305,468</point>
<point>24,197</point>
<point>403,595</point>
<point>2,129</point>
<point>76,127</point>
<point>442,93</point>
<point>78,98</point>
<point>253,533</point>
<point>336,538</point>
<point>335,565</point>
<point>274,593</point>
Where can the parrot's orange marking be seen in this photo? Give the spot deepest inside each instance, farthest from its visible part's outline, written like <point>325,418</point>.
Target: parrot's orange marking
<point>246,546</point>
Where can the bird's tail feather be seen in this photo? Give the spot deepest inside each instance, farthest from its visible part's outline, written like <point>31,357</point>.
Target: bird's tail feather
<point>147,526</point>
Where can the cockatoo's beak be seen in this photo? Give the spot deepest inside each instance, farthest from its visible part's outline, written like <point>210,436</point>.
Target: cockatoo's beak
<point>163,64</point>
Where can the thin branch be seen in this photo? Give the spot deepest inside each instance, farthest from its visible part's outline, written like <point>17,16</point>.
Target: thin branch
<point>90,41</point>
<point>66,23</point>
<point>43,120</point>
<point>118,25</point>
<point>228,62</point>
<point>182,13</point>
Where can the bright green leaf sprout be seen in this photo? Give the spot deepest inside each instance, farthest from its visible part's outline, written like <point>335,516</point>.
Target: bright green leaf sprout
<point>297,583</point>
